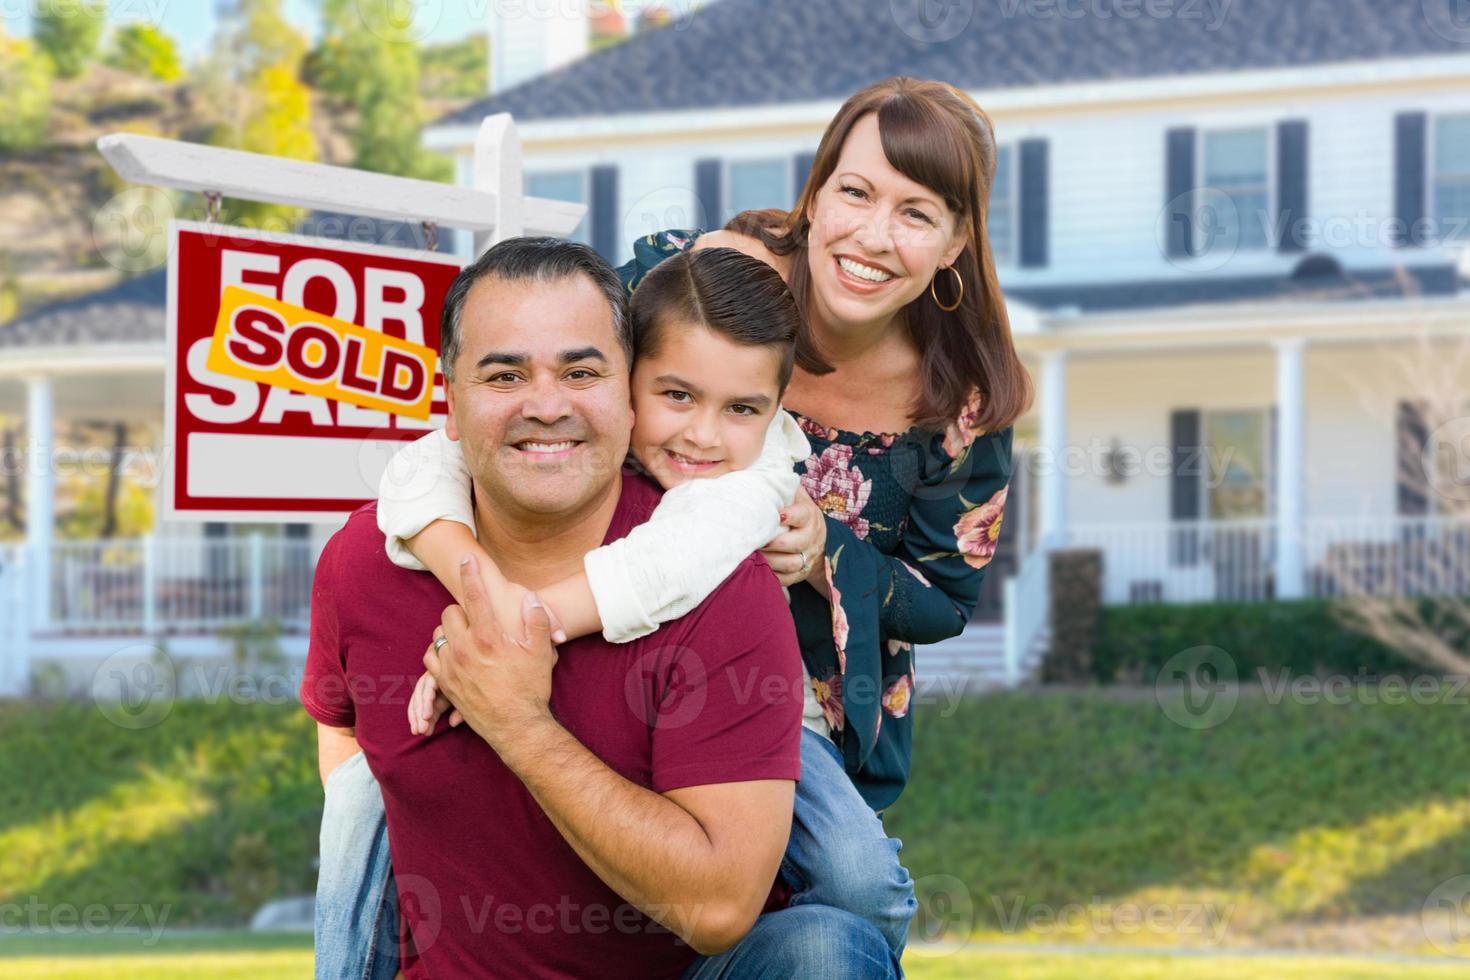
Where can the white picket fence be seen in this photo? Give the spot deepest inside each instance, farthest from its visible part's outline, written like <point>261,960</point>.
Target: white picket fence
<point>159,586</point>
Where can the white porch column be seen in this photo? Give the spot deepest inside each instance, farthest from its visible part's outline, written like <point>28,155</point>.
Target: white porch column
<point>1290,464</point>
<point>1053,489</point>
<point>40,491</point>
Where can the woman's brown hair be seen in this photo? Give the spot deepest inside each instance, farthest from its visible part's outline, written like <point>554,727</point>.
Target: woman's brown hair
<point>937,136</point>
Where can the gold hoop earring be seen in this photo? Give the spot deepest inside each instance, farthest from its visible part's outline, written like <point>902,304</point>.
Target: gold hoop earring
<point>959,282</point>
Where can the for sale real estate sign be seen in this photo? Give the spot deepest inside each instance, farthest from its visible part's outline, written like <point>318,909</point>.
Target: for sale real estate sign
<point>296,368</point>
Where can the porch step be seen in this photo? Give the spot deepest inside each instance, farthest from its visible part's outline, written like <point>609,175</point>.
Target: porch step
<point>977,657</point>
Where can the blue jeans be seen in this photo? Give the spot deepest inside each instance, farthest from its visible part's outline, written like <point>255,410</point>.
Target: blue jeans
<point>805,941</point>
<point>356,900</point>
<point>839,854</point>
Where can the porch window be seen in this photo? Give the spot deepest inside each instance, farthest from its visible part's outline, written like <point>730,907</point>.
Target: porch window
<point>1002,216</point>
<point>756,184</point>
<point>1451,178</point>
<point>1234,164</point>
<point>1237,463</point>
<point>563,185</point>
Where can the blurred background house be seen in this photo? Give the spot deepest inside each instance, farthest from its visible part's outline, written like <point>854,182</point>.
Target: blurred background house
<point>1232,240</point>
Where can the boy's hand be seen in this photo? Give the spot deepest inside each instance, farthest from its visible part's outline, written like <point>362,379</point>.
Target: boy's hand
<point>505,598</point>
<point>427,705</point>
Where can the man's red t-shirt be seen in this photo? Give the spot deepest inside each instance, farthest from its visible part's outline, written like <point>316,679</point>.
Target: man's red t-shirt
<point>487,884</point>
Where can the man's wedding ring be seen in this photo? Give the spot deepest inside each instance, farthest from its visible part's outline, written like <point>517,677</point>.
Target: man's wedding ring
<point>806,563</point>
<point>439,642</point>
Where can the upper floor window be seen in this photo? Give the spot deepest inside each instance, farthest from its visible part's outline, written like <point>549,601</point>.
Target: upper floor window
<point>757,184</point>
<point>1451,177</point>
<point>1233,162</point>
<point>563,185</point>
<point>1002,214</point>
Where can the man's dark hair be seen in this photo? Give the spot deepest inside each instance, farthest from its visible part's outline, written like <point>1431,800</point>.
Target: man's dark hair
<point>733,294</point>
<point>533,260</point>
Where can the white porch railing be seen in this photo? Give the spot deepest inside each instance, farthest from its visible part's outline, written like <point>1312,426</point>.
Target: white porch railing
<point>156,586</point>
<point>14,667</point>
<point>1220,561</point>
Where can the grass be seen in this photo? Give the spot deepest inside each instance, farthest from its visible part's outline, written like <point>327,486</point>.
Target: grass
<point>1073,810</point>
<point>243,954</point>
<point>1053,816</point>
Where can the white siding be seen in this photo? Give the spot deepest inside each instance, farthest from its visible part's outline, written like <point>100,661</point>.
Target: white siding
<point>1107,177</point>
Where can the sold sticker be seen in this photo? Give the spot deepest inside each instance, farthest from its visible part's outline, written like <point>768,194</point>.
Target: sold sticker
<point>263,339</point>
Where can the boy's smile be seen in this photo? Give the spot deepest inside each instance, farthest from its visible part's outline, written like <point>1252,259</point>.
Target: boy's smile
<point>702,403</point>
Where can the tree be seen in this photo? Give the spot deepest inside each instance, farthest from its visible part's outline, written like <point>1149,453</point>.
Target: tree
<point>145,50</point>
<point>68,32</point>
<point>25,78</point>
<point>257,65</point>
<point>1407,590</point>
<point>367,60</point>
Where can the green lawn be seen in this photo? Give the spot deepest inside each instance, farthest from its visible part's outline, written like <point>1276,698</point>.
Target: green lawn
<point>242,955</point>
<point>1040,816</point>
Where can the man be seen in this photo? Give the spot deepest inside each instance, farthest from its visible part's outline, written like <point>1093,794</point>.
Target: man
<point>626,812</point>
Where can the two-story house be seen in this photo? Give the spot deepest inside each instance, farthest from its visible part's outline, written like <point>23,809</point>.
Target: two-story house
<point>1232,237</point>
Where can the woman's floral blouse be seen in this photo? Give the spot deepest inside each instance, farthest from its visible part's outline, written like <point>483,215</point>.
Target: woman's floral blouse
<point>912,521</point>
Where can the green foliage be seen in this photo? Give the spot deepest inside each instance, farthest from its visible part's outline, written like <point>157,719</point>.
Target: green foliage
<point>367,61</point>
<point>261,51</point>
<point>1302,636</point>
<point>25,78</point>
<point>457,70</point>
<point>254,644</point>
<point>68,32</point>
<point>146,50</point>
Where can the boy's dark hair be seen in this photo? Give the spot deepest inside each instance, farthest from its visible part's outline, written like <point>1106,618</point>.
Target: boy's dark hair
<point>733,294</point>
<point>539,260</point>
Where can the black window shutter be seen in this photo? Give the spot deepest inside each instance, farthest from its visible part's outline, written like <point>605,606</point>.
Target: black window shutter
<point>1291,188</point>
<point>801,169</point>
<point>1186,477</point>
<point>709,192</point>
<point>1179,191</point>
<point>1033,203</point>
<point>605,211</point>
<point>1410,435</point>
<point>1408,168</point>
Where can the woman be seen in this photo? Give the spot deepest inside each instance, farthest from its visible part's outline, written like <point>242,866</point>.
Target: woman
<point>906,383</point>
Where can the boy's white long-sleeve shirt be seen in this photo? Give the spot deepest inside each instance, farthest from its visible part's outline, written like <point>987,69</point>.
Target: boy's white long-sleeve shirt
<point>700,531</point>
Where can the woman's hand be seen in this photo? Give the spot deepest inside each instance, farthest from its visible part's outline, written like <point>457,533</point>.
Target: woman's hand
<point>798,554</point>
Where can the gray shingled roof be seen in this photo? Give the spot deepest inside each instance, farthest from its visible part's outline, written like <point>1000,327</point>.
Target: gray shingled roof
<point>764,52</point>
<point>132,311</point>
